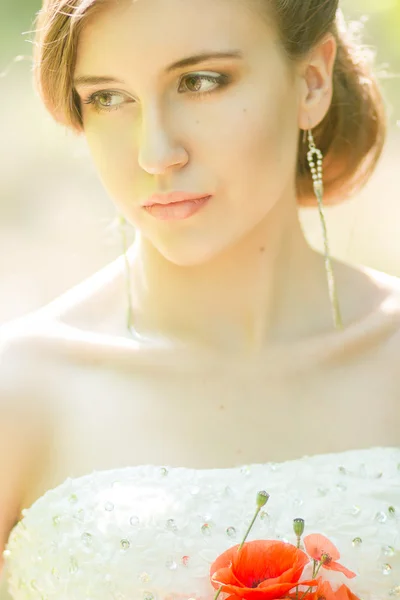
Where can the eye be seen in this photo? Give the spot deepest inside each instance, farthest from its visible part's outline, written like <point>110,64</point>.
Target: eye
<point>109,101</point>
<point>195,80</point>
<point>106,101</point>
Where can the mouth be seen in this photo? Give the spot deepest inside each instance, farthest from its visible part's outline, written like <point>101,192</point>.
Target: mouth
<point>172,197</point>
<point>175,211</point>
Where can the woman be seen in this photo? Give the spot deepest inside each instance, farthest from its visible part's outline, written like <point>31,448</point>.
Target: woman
<point>208,122</point>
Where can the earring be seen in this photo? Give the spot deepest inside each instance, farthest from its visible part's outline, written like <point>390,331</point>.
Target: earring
<point>316,174</point>
<point>129,313</point>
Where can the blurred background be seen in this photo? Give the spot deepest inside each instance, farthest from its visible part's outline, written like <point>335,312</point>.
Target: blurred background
<point>57,222</point>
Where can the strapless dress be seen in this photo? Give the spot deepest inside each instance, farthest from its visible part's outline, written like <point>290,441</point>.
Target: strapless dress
<point>151,532</point>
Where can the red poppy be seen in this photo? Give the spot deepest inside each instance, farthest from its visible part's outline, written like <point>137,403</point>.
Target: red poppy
<point>322,549</point>
<point>262,570</point>
<point>324,591</point>
<point>344,593</point>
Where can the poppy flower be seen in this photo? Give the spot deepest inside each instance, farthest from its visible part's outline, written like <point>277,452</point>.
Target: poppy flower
<point>262,570</point>
<point>319,548</point>
<point>344,593</point>
<point>324,591</point>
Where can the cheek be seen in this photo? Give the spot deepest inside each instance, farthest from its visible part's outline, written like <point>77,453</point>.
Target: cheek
<point>257,140</point>
<point>113,153</point>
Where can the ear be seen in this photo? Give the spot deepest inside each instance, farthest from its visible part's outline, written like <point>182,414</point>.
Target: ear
<point>316,83</point>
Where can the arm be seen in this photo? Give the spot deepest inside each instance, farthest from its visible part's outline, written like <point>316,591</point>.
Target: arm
<point>22,440</point>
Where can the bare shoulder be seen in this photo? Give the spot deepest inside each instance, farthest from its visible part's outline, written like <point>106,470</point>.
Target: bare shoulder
<point>389,283</point>
<point>389,314</point>
<point>24,423</point>
<point>90,300</point>
<point>23,404</point>
<point>86,325</point>
<point>388,360</point>
<point>62,329</point>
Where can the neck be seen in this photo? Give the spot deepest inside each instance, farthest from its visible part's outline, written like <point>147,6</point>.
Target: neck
<point>269,288</point>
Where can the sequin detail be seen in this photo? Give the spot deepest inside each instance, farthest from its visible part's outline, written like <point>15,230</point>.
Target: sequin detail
<point>380,517</point>
<point>386,569</point>
<point>167,525</point>
<point>171,564</point>
<point>171,525</point>
<point>125,544</point>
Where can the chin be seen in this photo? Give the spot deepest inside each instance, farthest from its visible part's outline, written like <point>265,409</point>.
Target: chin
<point>187,257</point>
<point>188,260</point>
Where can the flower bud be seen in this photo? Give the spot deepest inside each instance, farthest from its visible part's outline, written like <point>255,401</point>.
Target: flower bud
<point>298,527</point>
<point>262,499</point>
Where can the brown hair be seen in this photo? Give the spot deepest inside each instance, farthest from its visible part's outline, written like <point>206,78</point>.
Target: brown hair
<point>351,136</point>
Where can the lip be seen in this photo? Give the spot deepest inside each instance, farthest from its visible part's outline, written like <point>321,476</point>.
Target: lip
<point>176,211</point>
<point>173,197</point>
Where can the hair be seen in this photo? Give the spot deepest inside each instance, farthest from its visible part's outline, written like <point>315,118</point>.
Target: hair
<point>351,136</point>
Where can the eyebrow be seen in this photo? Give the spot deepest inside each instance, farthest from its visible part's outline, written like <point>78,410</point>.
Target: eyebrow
<point>88,80</point>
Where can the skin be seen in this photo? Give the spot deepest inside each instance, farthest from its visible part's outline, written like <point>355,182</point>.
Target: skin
<point>239,274</point>
<point>240,363</point>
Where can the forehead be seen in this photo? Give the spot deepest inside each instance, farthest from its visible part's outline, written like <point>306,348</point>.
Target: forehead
<point>152,33</point>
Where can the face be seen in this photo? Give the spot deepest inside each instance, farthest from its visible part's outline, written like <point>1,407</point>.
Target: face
<point>225,127</point>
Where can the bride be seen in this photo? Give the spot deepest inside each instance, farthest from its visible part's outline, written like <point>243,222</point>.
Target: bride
<point>219,355</point>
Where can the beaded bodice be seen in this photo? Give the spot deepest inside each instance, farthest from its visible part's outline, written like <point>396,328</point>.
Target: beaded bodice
<point>151,533</point>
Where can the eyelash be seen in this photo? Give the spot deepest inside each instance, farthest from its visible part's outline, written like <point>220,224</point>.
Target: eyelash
<point>93,99</point>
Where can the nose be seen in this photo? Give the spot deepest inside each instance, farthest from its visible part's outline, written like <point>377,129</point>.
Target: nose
<point>159,150</point>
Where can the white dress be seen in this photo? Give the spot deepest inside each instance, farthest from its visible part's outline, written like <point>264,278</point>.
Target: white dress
<point>152,532</point>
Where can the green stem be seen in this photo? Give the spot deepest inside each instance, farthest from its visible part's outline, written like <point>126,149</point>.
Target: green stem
<point>249,529</point>
<point>297,587</point>
<point>306,592</point>
<point>315,573</point>
<point>241,545</point>
<point>318,568</point>
<point>218,593</point>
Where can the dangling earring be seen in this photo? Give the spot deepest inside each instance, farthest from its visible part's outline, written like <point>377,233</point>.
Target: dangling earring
<point>316,174</point>
<point>129,312</point>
